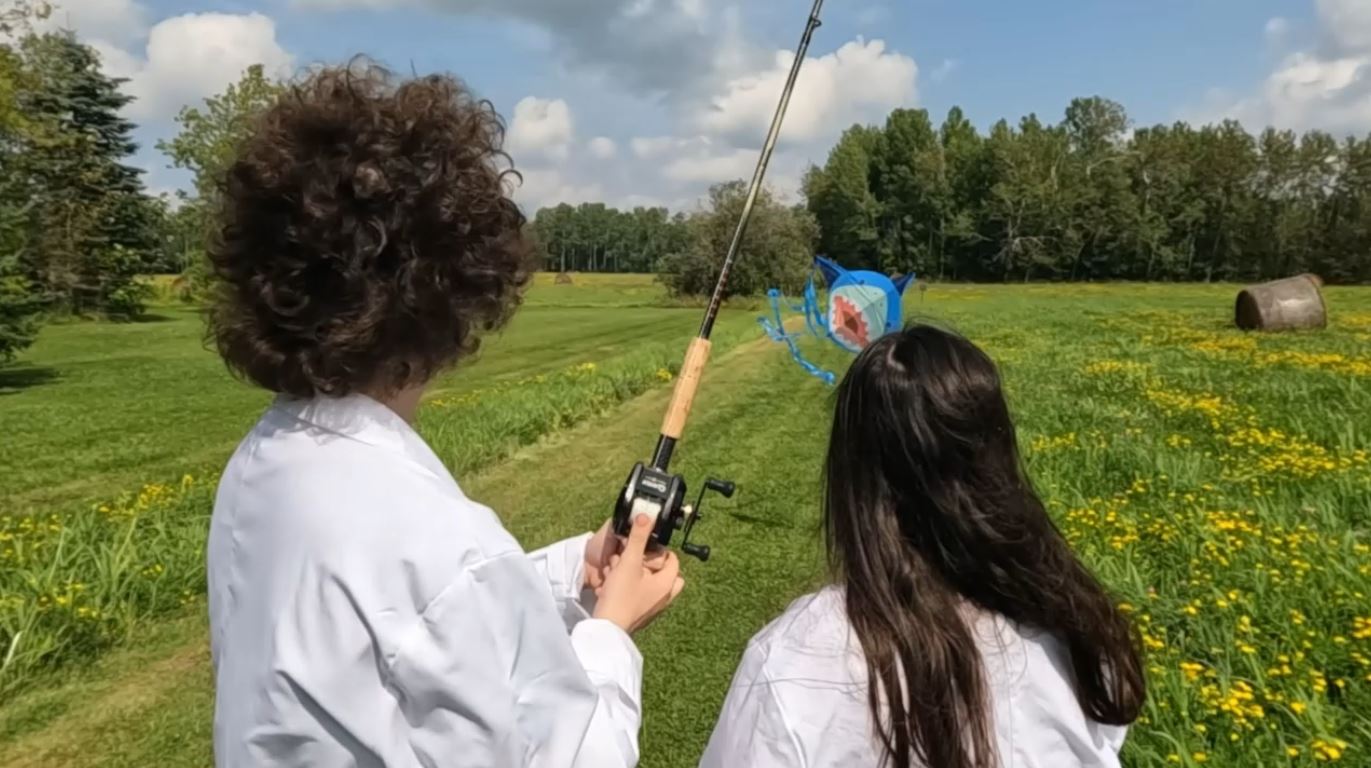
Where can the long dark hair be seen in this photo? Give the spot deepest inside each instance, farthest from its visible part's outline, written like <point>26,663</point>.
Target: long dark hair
<point>927,512</point>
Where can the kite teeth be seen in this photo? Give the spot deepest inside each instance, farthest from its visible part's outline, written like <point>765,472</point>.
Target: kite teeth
<point>851,323</point>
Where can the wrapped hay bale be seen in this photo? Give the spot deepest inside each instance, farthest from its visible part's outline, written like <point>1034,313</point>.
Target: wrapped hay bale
<point>1282,305</point>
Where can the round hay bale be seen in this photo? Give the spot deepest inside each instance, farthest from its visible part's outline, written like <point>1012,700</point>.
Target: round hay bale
<point>1282,305</point>
<point>563,278</point>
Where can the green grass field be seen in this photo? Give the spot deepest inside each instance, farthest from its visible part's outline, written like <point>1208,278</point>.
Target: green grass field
<point>1219,482</point>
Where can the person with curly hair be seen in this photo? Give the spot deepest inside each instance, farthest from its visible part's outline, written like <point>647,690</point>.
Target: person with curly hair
<point>363,610</point>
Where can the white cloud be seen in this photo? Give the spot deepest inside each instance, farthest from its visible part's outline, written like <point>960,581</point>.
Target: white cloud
<point>542,128</point>
<point>1327,87</point>
<point>698,159</point>
<point>652,146</point>
<point>116,61</point>
<point>690,64</point>
<point>196,55</point>
<point>712,168</point>
<point>1347,25</point>
<point>176,61</point>
<point>1310,92</point>
<point>540,140</point>
<point>860,81</point>
<point>169,63</point>
<point>722,130</point>
<point>548,186</point>
<point>603,147</point>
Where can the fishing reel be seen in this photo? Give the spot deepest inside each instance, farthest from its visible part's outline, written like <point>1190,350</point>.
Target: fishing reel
<point>661,496</point>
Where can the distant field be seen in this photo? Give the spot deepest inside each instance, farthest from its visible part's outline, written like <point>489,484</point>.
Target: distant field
<point>94,409</point>
<point>1219,481</point>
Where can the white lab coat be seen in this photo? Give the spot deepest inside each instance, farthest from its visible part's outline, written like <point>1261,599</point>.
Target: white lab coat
<point>364,612</point>
<point>799,698</point>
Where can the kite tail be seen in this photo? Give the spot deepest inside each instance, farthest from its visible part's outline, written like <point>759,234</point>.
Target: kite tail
<point>776,330</point>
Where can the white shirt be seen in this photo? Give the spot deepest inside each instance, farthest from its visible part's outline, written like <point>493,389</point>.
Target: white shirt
<point>799,698</point>
<point>364,612</point>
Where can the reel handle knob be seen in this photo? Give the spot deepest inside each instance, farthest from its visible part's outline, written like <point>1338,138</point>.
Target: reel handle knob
<point>724,488</point>
<point>700,551</point>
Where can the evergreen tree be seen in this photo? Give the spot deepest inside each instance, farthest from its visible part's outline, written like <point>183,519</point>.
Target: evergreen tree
<point>92,224</point>
<point>21,301</point>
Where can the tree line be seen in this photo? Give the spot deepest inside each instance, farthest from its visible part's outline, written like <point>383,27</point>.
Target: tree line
<point>686,250</point>
<point>1090,199</point>
<point>1087,198</point>
<point>592,237</point>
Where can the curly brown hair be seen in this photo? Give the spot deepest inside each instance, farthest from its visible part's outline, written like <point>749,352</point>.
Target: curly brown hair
<point>366,237</point>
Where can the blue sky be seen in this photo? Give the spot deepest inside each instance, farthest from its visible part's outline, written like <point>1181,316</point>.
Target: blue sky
<point>650,101</point>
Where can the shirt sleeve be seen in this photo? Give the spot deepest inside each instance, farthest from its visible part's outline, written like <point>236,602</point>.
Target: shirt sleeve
<point>1115,736</point>
<point>489,677</point>
<point>564,566</point>
<point>752,729</point>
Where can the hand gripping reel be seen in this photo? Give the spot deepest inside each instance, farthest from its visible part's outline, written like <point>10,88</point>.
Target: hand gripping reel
<point>659,495</point>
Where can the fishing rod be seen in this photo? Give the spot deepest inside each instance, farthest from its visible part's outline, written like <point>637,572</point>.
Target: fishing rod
<point>652,489</point>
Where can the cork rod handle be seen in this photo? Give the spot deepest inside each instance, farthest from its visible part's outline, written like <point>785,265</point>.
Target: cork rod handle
<point>686,385</point>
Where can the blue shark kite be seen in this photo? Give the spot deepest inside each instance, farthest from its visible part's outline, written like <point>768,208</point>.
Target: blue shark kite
<point>862,307</point>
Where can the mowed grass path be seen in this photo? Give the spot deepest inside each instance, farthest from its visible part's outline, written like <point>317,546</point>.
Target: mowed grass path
<point>1218,481</point>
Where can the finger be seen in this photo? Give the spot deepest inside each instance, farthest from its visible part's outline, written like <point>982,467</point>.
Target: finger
<point>670,568</point>
<point>638,538</point>
<point>610,541</point>
<point>614,561</point>
<point>663,582</point>
<point>601,547</point>
<point>655,561</point>
<point>677,587</point>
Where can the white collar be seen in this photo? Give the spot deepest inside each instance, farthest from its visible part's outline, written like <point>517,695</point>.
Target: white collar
<point>366,420</point>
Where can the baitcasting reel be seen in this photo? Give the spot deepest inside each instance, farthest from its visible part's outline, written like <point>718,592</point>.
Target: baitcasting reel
<point>660,496</point>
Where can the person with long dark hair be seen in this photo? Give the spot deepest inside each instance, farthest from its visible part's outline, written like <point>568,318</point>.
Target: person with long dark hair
<point>960,630</point>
